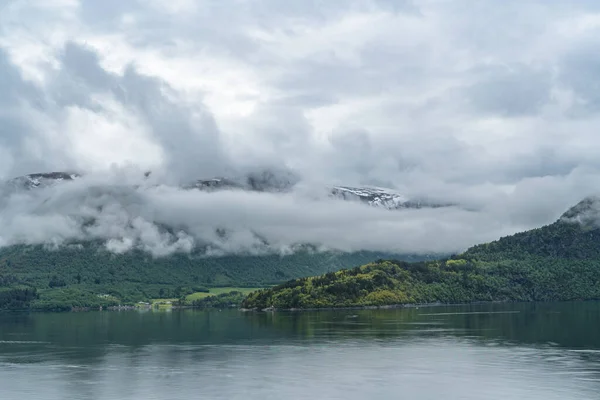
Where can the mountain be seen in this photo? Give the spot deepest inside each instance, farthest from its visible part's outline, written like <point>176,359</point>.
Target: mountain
<point>557,262</point>
<point>77,272</point>
<point>40,180</point>
<point>382,198</point>
<point>138,276</point>
<point>586,212</point>
<point>261,181</point>
<point>574,236</point>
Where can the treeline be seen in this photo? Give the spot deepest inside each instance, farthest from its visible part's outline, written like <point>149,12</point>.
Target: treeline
<point>17,298</point>
<point>28,298</point>
<point>67,299</point>
<point>89,270</point>
<point>92,265</point>
<point>554,263</point>
<point>453,281</point>
<point>231,299</point>
<point>559,240</point>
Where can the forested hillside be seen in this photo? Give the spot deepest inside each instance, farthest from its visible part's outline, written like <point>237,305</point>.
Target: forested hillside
<point>90,276</point>
<point>558,262</point>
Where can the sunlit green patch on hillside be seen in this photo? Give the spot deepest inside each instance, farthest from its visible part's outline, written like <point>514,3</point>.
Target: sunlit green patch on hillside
<point>216,291</point>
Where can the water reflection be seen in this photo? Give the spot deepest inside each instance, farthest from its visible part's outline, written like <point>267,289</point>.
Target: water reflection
<point>537,351</point>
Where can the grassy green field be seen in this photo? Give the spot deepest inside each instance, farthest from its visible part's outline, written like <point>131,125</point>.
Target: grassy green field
<point>216,291</point>
<point>167,303</point>
<point>162,304</point>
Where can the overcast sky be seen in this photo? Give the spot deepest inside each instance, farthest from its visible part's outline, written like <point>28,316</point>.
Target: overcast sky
<point>493,104</point>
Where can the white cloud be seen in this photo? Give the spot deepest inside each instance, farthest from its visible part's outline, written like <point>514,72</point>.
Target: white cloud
<point>128,214</point>
<point>115,132</point>
<point>456,100</point>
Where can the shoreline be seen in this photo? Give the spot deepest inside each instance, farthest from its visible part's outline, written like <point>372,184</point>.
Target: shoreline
<point>254,310</point>
<point>382,307</point>
<point>294,310</point>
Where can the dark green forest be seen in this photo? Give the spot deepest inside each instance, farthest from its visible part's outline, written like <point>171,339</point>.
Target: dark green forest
<point>89,276</point>
<point>560,261</point>
<point>231,299</point>
<point>557,262</point>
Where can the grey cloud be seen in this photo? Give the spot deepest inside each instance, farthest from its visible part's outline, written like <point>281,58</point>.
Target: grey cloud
<point>306,100</point>
<point>317,78</point>
<point>358,159</point>
<point>514,91</point>
<point>191,143</point>
<point>126,216</point>
<point>579,72</point>
<point>15,127</point>
<point>11,83</point>
<point>153,27</point>
<point>81,66</point>
<point>109,13</point>
<point>546,162</point>
<point>454,111</point>
<point>319,10</point>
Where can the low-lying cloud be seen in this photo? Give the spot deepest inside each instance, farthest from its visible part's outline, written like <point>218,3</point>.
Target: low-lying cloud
<point>126,212</point>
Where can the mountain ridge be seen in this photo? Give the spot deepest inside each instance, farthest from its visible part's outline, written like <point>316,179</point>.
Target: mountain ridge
<point>264,181</point>
<point>75,272</point>
<point>556,262</point>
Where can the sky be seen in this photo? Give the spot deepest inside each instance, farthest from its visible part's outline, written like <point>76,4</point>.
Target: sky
<point>491,105</point>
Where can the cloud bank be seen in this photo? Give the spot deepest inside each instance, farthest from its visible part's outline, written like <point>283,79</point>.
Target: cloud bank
<point>491,106</point>
<point>133,213</point>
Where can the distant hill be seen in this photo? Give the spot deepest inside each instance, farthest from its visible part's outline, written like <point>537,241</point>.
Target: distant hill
<point>557,262</point>
<point>137,276</point>
<point>574,236</point>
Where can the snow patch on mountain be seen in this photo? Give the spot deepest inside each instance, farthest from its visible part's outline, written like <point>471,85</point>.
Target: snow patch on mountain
<point>377,197</point>
<point>264,181</point>
<point>40,180</point>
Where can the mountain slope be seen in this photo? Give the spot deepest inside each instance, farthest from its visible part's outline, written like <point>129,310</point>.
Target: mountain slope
<point>136,276</point>
<point>557,262</point>
<point>78,265</point>
<point>576,235</point>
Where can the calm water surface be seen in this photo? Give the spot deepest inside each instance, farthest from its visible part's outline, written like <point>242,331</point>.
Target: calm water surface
<point>522,351</point>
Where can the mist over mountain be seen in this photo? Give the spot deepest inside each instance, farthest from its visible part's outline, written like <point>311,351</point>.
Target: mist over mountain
<point>256,213</point>
<point>135,236</point>
<point>555,262</point>
<point>142,141</point>
<point>449,113</point>
<point>586,213</point>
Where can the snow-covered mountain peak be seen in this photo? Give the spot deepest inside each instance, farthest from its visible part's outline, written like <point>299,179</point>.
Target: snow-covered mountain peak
<point>374,196</point>
<point>256,182</point>
<point>41,180</point>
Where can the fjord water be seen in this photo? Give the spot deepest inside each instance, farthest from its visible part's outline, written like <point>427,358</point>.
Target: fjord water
<point>494,351</point>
